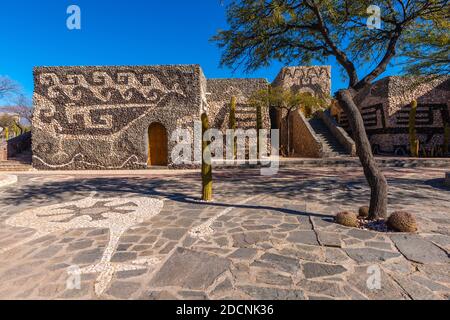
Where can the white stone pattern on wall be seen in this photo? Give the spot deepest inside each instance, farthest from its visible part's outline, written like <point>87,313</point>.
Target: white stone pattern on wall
<point>385,111</point>
<point>316,80</point>
<point>98,117</point>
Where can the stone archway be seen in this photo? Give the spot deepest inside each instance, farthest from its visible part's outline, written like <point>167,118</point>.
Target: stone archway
<point>157,145</point>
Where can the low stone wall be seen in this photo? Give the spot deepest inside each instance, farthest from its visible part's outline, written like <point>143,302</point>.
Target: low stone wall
<point>339,133</point>
<point>303,139</point>
<point>14,146</point>
<point>3,151</point>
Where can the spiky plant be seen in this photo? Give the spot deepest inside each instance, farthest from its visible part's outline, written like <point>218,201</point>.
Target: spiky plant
<point>446,138</point>
<point>363,212</point>
<point>402,221</point>
<point>258,127</point>
<point>206,162</point>
<point>348,219</point>
<point>413,141</point>
<point>232,123</point>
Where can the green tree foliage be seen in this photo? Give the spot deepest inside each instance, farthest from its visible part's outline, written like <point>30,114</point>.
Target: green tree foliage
<point>303,31</point>
<point>6,121</point>
<point>287,101</point>
<point>432,36</point>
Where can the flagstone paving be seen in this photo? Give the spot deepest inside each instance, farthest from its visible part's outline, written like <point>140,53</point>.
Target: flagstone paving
<point>149,237</point>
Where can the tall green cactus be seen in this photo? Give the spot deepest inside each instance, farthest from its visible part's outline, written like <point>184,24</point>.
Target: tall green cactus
<point>446,138</point>
<point>206,162</point>
<point>258,126</point>
<point>413,141</point>
<point>232,123</point>
<point>17,130</point>
<point>232,119</point>
<point>6,133</point>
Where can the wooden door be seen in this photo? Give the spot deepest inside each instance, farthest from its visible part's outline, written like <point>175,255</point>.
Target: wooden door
<point>157,145</point>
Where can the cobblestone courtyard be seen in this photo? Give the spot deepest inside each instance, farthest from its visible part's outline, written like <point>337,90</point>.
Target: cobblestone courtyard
<point>146,236</point>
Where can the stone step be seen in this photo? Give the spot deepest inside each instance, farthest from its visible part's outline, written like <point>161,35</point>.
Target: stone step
<point>293,163</point>
<point>11,169</point>
<point>383,162</point>
<point>331,146</point>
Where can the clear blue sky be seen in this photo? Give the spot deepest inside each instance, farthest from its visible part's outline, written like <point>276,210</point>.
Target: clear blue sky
<point>131,32</point>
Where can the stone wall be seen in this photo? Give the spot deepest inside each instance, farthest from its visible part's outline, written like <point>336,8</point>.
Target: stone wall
<point>98,117</point>
<point>316,80</point>
<point>338,132</point>
<point>3,151</point>
<point>14,146</point>
<point>385,110</point>
<point>219,96</point>
<point>304,142</point>
<point>220,92</point>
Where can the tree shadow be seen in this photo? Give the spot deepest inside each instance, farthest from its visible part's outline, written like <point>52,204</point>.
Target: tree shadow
<point>311,187</point>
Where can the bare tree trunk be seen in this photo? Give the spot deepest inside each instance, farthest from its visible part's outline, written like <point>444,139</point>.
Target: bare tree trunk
<point>375,178</point>
<point>288,133</point>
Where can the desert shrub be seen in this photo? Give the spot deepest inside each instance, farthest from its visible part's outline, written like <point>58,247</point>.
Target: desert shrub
<point>346,218</point>
<point>363,212</point>
<point>402,221</point>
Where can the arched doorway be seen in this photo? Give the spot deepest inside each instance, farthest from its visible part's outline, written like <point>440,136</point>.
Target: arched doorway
<point>157,145</point>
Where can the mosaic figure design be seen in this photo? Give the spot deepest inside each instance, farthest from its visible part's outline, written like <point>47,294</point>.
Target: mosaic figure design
<point>98,117</point>
<point>115,214</point>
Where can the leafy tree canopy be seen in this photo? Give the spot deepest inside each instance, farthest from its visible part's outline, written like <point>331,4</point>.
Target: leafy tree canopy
<point>299,31</point>
<point>286,99</point>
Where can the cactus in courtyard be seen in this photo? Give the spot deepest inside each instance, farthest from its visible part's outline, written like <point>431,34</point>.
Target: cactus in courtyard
<point>6,133</point>
<point>232,123</point>
<point>348,219</point>
<point>446,138</point>
<point>413,141</point>
<point>363,212</point>
<point>17,130</point>
<point>258,126</point>
<point>206,162</point>
<point>402,222</point>
<point>232,118</point>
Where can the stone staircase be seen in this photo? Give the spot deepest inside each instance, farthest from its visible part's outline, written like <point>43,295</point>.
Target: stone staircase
<point>332,148</point>
<point>245,117</point>
<point>21,162</point>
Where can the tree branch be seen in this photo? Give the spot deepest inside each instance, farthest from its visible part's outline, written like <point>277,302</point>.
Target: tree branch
<point>339,54</point>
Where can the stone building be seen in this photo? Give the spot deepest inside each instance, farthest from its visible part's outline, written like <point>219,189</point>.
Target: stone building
<point>123,117</point>
<point>303,140</point>
<point>385,110</point>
